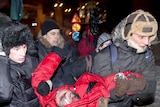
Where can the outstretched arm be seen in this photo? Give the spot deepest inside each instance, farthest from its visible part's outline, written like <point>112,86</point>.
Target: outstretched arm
<point>45,69</point>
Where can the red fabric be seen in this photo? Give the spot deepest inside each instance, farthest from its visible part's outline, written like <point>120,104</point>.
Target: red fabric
<point>85,45</point>
<point>101,89</point>
<point>43,72</point>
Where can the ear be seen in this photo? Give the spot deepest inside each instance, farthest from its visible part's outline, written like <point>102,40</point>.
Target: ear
<point>44,36</point>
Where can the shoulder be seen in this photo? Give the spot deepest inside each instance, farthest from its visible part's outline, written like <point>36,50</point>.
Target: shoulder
<point>3,60</point>
<point>103,53</point>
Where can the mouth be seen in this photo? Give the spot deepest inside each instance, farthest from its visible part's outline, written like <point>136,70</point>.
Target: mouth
<point>143,47</point>
<point>21,59</point>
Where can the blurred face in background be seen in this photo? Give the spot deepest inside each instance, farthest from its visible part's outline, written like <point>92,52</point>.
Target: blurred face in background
<point>104,45</point>
<point>53,37</point>
<point>18,53</point>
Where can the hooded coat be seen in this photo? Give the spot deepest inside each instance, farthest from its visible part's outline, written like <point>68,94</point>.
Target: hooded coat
<point>127,59</point>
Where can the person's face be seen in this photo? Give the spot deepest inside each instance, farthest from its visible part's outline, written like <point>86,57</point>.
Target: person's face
<point>53,37</point>
<point>64,97</point>
<point>18,53</point>
<point>141,41</point>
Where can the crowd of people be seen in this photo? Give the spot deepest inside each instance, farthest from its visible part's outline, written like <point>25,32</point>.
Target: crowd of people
<point>48,72</point>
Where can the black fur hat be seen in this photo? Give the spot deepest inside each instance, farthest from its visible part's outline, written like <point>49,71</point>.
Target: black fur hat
<point>15,34</point>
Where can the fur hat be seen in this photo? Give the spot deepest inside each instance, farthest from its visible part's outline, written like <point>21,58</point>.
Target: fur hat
<point>103,38</point>
<point>141,23</point>
<point>3,19</point>
<point>15,34</point>
<point>48,25</point>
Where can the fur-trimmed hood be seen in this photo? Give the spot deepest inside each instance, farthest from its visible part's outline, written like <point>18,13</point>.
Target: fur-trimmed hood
<point>46,43</point>
<point>116,34</point>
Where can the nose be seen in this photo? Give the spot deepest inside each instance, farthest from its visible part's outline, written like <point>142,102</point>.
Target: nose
<point>22,52</point>
<point>58,34</point>
<point>146,40</point>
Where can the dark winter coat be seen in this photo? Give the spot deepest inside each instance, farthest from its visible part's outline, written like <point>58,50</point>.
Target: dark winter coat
<point>127,59</point>
<point>70,70</point>
<point>15,83</point>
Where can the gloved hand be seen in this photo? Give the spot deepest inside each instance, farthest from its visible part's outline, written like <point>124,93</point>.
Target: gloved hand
<point>59,51</point>
<point>43,88</point>
<point>136,84</point>
<point>121,88</point>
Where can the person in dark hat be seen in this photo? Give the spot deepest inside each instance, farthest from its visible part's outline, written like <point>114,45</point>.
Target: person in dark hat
<point>51,36</point>
<point>17,66</point>
<point>131,40</point>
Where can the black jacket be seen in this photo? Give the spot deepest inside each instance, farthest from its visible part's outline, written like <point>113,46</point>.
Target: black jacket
<point>15,86</point>
<point>69,70</point>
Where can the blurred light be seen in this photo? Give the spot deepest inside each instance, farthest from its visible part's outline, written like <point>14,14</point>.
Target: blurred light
<point>51,14</point>
<point>66,10</point>
<point>83,7</point>
<point>88,14</point>
<point>97,3</point>
<point>81,13</point>
<point>78,8</point>
<point>34,24</point>
<point>61,4</point>
<point>69,10</point>
<point>70,33</point>
<point>56,4</point>
<point>83,16</point>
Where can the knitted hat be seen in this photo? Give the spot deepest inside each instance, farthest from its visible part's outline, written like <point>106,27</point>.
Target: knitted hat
<point>48,25</point>
<point>141,23</point>
<point>103,38</point>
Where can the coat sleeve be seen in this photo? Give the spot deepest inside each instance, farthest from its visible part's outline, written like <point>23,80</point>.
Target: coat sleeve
<point>6,85</point>
<point>149,73</point>
<point>102,63</point>
<point>84,81</point>
<point>45,69</point>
